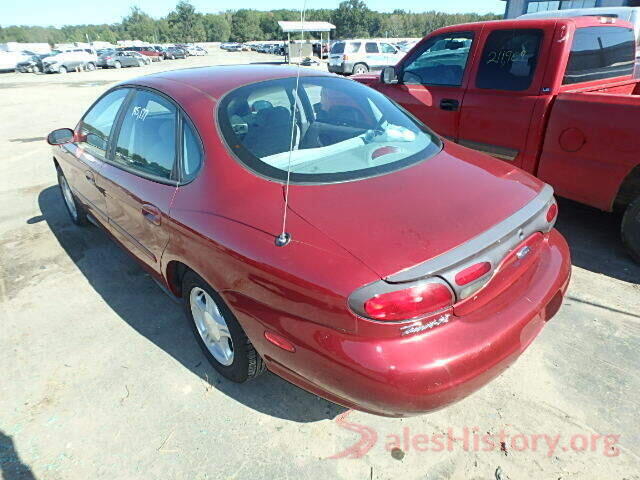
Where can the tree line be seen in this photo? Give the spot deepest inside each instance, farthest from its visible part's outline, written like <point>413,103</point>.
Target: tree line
<point>352,19</point>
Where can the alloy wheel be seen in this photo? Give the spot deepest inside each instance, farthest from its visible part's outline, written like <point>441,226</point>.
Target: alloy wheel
<point>211,326</point>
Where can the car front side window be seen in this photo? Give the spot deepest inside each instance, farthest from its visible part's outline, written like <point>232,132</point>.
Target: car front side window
<point>442,60</point>
<point>98,122</point>
<point>147,140</point>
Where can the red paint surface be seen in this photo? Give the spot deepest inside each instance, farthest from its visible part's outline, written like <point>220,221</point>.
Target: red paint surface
<point>223,224</point>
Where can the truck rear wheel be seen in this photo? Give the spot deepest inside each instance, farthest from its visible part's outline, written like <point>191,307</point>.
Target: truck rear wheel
<point>631,229</point>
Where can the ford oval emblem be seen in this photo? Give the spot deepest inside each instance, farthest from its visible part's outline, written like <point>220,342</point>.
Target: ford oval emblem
<point>523,252</point>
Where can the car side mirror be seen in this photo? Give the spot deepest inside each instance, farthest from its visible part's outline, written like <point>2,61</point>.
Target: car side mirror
<point>60,136</point>
<point>389,76</point>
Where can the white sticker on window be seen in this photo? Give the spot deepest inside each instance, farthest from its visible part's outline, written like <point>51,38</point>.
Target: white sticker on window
<point>140,113</point>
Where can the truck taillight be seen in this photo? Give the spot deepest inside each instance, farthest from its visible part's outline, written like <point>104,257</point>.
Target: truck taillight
<point>412,302</point>
<point>552,213</point>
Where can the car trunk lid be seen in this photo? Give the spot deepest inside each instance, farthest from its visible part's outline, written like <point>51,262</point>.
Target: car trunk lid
<point>396,221</point>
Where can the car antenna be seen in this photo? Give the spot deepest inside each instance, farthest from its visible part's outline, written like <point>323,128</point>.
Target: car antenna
<point>284,238</point>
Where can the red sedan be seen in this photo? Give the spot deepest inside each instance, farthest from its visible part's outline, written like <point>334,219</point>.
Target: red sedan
<point>148,51</point>
<point>407,272</point>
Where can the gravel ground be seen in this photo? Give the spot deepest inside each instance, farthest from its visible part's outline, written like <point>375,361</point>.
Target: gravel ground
<point>103,379</point>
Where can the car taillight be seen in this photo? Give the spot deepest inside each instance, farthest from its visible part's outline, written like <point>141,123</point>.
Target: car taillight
<point>472,273</point>
<point>409,303</point>
<point>552,213</point>
<point>345,58</point>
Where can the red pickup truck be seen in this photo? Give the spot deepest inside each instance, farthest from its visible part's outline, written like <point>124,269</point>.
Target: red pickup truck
<point>556,97</point>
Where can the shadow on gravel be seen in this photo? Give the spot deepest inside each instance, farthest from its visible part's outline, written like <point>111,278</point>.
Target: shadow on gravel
<point>11,467</point>
<point>135,297</point>
<point>594,239</point>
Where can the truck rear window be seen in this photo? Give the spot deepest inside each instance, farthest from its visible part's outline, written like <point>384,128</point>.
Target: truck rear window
<point>600,52</point>
<point>509,59</point>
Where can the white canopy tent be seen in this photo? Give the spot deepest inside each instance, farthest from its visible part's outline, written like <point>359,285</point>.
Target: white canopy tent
<point>298,27</point>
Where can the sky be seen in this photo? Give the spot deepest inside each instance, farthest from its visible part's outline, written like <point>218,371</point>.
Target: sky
<point>48,12</point>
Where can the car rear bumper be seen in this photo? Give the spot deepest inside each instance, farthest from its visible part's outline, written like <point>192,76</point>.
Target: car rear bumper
<point>414,374</point>
<point>344,67</point>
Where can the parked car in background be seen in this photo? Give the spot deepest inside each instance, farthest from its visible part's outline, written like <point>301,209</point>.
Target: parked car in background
<point>232,47</point>
<point>459,270</point>
<point>184,47</point>
<point>361,56</point>
<point>195,51</point>
<point>67,61</point>
<point>121,58</point>
<point>557,97</point>
<point>33,64</point>
<point>147,51</point>
<point>175,52</point>
<point>406,46</point>
<point>10,60</point>
<point>161,50</point>
<point>143,58</point>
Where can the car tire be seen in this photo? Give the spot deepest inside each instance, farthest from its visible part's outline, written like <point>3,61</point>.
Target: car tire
<point>219,323</point>
<point>62,69</point>
<point>360,68</point>
<point>117,64</point>
<point>74,209</point>
<point>91,66</point>
<point>140,63</point>
<point>630,229</point>
<point>172,57</point>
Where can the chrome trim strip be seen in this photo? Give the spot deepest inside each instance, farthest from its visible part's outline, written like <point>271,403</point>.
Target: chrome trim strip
<point>503,153</point>
<point>526,221</point>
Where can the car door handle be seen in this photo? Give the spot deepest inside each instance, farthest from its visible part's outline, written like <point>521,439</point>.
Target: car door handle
<point>89,176</point>
<point>151,214</point>
<point>449,104</point>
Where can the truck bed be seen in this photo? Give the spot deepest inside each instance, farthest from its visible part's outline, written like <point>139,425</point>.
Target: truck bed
<point>592,142</point>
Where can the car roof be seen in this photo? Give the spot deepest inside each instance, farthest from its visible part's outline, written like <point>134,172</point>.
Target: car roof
<point>217,80</point>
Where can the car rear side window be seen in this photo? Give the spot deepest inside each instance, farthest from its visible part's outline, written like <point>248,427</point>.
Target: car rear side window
<point>509,59</point>
<point>147,139</point>
<point>600,52</point>
<point>371,47</point>
<point>191,152</point>
<point>97,123</point>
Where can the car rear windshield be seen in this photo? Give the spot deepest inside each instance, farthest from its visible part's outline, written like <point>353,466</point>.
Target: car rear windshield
<point>332,130</point>
<point>600,52</point>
